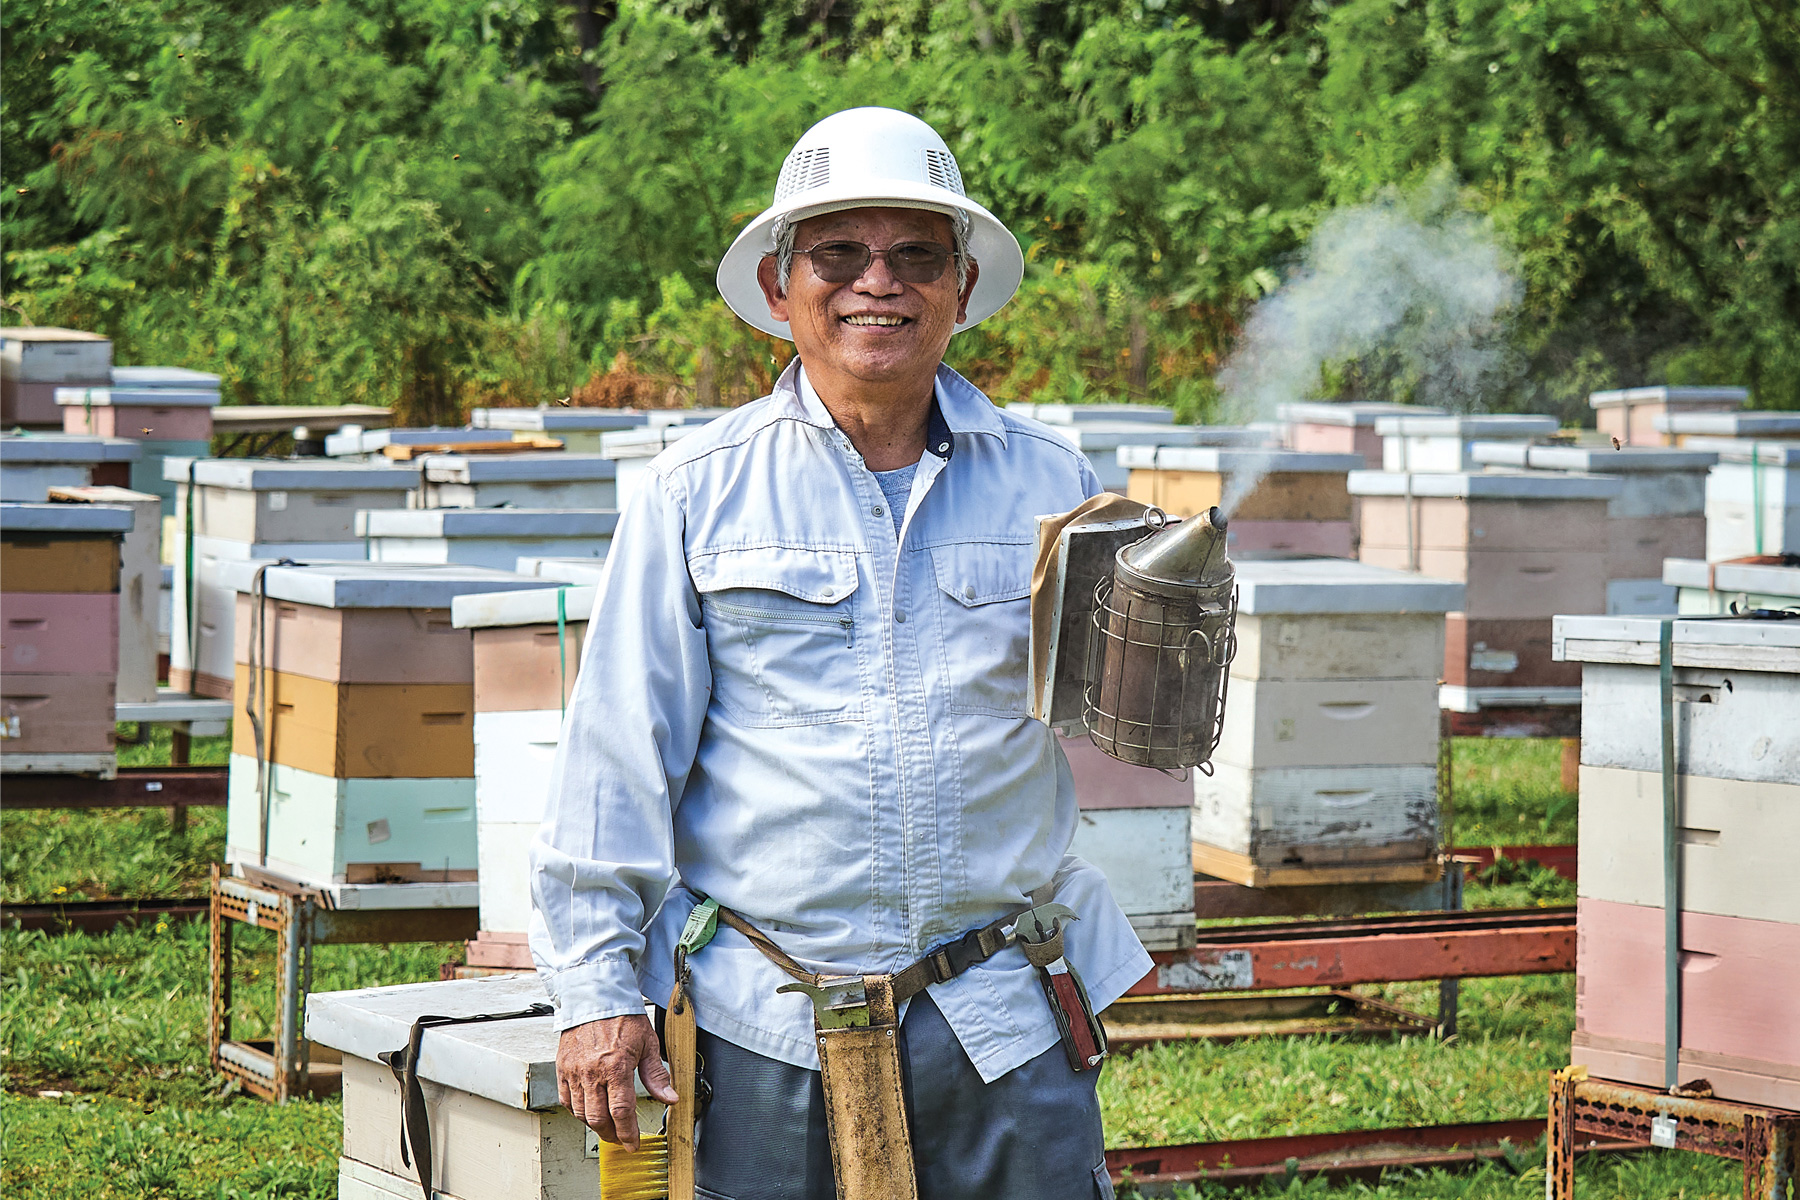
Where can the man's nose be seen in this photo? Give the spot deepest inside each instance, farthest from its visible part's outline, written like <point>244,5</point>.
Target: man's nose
<point>876,279</point>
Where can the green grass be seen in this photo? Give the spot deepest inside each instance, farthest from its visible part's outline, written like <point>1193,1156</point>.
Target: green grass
<point>108,1095</point>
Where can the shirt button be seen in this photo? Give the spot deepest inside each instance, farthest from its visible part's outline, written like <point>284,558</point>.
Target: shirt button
<point>969,592</point>
<point>899,618</point>
<point>879,511</point>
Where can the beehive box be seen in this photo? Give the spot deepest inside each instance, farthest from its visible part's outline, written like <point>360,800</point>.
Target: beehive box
<point>1659,511</point>
<point>354,443</point>
<point>270,503</point>
<point>1737,686</point>
<point>368,731</point>
<point>60,567</point>
<point>558,480</point>
<point>36,360</point>
<point>1298,504</point>
<point>1081,414</point>
<point>162,414</point>
<point>33,463</point>
<point>1446,443</point>
<point>486,537</point>
<point>1324,427</point>
<point>1526,544</point>
<point>1705,427</point>
<point>1100,442</point>
<point>1630,414</point>
<point>586,571</point>
<point>1133,825</point>
<point>497,1130</point>
<point>632,449</point>
<point>579,429</point>
<point>140,577</point>
<point>1713,589</point>
<point>1753,501</point>
<point>1328,757</point>
<point>526,662</point>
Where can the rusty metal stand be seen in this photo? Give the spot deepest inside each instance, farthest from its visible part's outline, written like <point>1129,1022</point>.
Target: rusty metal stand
<point>301,918</point>
<point>1585,1111</point>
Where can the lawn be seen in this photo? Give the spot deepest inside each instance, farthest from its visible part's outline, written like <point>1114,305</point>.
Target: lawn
<point>107,1092</point>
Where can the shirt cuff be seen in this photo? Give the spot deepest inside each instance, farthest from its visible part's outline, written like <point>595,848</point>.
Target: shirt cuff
<point>595,991</point>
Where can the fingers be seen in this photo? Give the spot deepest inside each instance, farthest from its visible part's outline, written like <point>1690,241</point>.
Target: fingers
<point>655,1074</point>
<point>623,1101</point>
<point>596,1115</point>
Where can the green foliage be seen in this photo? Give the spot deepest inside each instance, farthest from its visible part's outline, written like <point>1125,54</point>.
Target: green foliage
<point>1508,792</point>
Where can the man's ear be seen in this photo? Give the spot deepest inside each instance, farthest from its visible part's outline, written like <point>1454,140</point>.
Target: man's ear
<point>771,290</point>
<point>962,301</point>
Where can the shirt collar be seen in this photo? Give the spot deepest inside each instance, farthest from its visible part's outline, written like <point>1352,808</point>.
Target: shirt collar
<point>957,406</point>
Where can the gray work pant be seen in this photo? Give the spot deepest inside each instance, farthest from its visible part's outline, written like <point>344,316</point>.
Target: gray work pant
<point>1033,1134</point>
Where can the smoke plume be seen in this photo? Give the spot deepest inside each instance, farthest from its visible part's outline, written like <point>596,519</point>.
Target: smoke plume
<point>1409,291</point>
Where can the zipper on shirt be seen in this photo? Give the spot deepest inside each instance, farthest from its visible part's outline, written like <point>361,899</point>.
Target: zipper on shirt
<point>779,616</point>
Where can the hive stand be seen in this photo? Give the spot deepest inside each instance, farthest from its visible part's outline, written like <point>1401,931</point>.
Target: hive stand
<point>181,713</point>
<point>301,919</point>
<point>1763,1139</point>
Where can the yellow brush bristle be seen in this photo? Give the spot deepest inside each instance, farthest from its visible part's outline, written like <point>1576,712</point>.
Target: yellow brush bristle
<point>635,1175</point>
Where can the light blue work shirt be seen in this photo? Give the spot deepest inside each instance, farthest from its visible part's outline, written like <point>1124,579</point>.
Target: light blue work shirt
<point>823,725</point>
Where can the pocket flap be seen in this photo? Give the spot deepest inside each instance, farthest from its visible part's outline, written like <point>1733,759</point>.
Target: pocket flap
<point>818,576</point>
<point>974,573</point>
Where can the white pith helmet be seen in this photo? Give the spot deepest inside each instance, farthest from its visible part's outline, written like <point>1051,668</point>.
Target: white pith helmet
<point>863,158</point>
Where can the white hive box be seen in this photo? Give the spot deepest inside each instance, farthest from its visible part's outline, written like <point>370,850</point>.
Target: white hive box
<point>179,379</point>
<point>1753,501</point>
<point>355,442</point>
<point>1134,827</point>
<point>140,574</point>
<point>555,480</point>
<point>268,502</point>
<point>497,1130</point>
<point>486,537</point>
<point>579,429</point>
<point>632,450</point>
<point>1328,757</point>
<point>1741,426</point>
<point>36,360</point>
<point>1325,427</point>
<point>1100,442</point>
<point>1737,791</point>
<point>1446,443</point>
<point>33,463</point>
<point>564,570</point>
<point>1714,589</point>
<point>1630,414</point>
<point>203,621</point>
<point>665,418</point>
<point>1078,414</point>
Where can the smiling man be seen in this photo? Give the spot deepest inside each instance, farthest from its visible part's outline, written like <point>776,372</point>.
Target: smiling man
<point>805,701</point>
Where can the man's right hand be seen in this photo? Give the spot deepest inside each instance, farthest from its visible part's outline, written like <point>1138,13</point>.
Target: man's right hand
<point>594,1066</point>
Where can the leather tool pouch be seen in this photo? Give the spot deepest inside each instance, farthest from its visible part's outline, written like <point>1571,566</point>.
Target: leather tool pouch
<point>865,1109</point>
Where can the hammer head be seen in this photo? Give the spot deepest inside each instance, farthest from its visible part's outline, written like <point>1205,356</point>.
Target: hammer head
<point>1039,924</point>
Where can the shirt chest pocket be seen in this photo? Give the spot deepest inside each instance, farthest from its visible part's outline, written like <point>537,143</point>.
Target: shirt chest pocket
<point>986,639</point>
<point>781,633</point>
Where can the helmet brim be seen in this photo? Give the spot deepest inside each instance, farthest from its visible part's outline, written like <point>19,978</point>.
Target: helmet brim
<point>991,244</point>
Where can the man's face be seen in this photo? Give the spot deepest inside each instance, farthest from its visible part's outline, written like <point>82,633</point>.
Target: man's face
<point>875,328</point>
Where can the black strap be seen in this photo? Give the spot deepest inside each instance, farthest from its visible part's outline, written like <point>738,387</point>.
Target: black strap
<point>415,1124</point>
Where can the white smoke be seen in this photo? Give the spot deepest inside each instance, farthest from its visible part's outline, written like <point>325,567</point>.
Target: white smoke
<point>1410,287</point>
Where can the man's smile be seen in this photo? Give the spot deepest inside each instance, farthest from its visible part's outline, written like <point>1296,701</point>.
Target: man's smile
<point>876,320</point>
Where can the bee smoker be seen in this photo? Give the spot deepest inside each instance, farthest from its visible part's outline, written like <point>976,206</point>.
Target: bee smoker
<point>1163,636</point>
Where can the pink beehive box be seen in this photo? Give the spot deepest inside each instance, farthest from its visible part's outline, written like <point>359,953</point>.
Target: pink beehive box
<point>60,633</point>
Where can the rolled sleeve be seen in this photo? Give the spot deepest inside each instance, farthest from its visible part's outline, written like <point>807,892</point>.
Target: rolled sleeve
<point>604,857</point>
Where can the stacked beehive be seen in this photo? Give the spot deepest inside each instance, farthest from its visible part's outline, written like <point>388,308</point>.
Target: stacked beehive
<point>1447,443</point>
<point>1630,414</point>
<point>527,651</point>
<point>364,761</point>
<point>1278,500</point>
<point>140,576</point>
<point>1326,769</point>
<point>33,463</point>
<point>579,429</point>
<point>1753,501</point>
<point>1330,427</point>
<point>1527,545</point>
<point>1658,513</point>
<point>1737,785</point>
<point>1104,442</point>
<point>485,537</point>
<point>559,480</point>
<point>36,360</point>
<point>1134,827</point>
<point>245,511</point>
<point>166,410</point>
<point>59,660</point>
<point>1718,589</point>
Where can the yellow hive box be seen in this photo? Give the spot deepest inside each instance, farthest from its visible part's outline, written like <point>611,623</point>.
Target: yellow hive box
<point>361,730</point>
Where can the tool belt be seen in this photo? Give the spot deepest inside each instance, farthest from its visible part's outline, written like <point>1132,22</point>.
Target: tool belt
<point>856,1025</point>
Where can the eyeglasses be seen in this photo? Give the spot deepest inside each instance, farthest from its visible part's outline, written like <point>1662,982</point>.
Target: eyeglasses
<point>910,262</point>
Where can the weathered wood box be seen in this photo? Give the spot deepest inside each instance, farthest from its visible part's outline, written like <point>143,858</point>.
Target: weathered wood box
<point>1324,427</point>
<point>1737,688</point>
<point>1329,752</point>
<point>485,537</point>
<point>497,1130</point>
<point>1526,544</point>
<point>526,662</point>
<point>579,429</point>
<point>1290,501</point>
<point>558,480</point>
<point>1630,414</point>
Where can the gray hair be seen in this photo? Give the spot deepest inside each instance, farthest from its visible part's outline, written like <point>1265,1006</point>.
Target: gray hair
<point>959,248</point>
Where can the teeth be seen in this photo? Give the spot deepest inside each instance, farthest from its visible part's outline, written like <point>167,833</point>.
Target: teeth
<point>875,320</point>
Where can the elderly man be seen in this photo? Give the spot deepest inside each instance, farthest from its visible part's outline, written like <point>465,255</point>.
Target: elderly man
<point>805,699</point>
